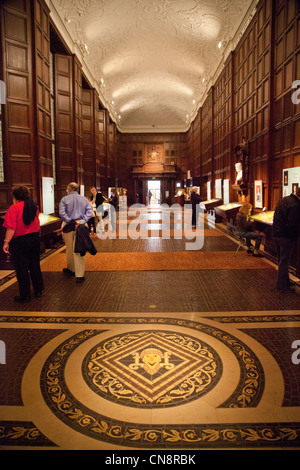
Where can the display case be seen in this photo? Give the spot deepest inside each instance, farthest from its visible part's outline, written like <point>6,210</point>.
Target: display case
<point>179,197</point>
<point>227,211</point>
<point>264,223</point>
<point>210,204</point>
<point>48,223</point>
<point>264,217</point>
<point>50,226</point>
<point>50,233</point>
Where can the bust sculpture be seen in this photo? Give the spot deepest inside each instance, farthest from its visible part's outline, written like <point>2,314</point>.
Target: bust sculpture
<point>239,173</point>
<point>241,167</point>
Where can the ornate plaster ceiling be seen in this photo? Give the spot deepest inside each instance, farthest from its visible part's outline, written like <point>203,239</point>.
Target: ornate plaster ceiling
<point>152,61</point>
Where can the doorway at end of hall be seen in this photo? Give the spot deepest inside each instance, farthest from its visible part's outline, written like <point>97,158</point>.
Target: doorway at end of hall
<point>153,192</point>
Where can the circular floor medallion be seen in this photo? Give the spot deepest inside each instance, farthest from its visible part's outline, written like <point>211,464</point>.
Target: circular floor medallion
<point>151,369</point>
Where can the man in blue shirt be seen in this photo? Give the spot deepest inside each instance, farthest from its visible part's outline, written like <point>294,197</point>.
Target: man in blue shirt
<point>74,209</point>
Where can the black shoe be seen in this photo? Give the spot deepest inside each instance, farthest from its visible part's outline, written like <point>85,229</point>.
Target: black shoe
<point>287,289</point>
<point>79,280</point>
<point>257,255</point>
<point>20,299</point>
<point>68,272</point>
<point>37,294</point>
<point>250,250</point>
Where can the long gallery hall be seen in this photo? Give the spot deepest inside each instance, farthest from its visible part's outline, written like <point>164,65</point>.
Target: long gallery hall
<point>177,338</point>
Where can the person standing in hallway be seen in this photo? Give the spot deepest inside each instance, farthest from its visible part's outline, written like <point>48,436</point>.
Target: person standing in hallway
<point>22,241</point>
<point>74,209</point>
<point>97,206</point>
<point>195,199</point>
<point>114,202</point>
<point>286,230</point>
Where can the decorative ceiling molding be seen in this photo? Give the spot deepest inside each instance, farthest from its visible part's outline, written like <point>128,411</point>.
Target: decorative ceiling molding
<point>152,61</point>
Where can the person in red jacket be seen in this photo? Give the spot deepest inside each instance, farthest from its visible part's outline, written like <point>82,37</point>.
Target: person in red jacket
<point>22,241</point>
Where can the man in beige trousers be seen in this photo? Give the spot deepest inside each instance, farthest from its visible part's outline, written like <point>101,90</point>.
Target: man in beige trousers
<point>74,209</point>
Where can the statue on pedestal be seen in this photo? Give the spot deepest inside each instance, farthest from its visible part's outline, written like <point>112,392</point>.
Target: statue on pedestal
<point>241,166</point>
<point>242,163</point>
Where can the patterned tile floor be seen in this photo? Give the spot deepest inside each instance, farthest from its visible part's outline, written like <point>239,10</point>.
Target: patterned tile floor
<point>159,360</point>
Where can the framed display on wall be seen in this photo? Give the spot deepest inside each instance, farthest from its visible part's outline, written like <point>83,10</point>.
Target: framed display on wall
<point>226,191</point>
<point>48,195</point>
<point>258,194</point>
<point>290,180</point>
<point>218,189</point>
<point>208,190</point>
<point>295,187</point>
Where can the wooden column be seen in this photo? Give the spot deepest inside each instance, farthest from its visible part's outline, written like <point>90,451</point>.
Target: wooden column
<point>42,101</point>
<point>64,123</point>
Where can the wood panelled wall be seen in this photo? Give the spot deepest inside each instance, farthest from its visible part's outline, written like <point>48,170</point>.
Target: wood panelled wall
<point>102,128</point>
<point>85,144</point>
<point>89,148</point>
<point>78,120</point>
<point>18,125</point>
<point>251,97</point>
<point>131,151</point>
<point>286,115</point>
<point>41,79</point>
<point>64,141</point>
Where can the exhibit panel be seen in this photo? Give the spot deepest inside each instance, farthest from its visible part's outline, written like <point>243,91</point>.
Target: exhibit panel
<point>290,181</point>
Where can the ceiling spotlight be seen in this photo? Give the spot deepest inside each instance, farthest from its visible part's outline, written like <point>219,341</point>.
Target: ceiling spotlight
<point>194,101</point>
<point>112,102</point>
<point>203,80</point>
<point>220,45</point>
